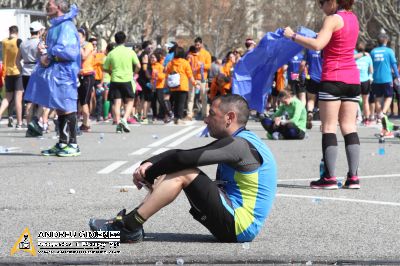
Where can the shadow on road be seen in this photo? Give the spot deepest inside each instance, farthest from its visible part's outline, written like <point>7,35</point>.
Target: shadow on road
<point>294,186</point>
<point>178,237</point>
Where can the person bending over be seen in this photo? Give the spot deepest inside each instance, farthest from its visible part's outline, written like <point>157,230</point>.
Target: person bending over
<point>234,206</point>
<point>295,126</point>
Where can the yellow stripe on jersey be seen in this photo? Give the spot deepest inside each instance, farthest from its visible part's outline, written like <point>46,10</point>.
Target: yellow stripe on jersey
<point>248,186</point>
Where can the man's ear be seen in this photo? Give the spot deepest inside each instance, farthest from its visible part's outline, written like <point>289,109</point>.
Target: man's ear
<point>231,116</point>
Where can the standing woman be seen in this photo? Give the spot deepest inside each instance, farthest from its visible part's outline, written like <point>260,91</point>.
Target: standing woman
<point>340,88</point>
<point>157,82</point>
<point>179,65</point>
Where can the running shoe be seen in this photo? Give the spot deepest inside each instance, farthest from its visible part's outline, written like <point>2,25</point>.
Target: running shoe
<point>124,125</point>
<point>117,224</point>
<point>119,129</point>
<point>269,136</point>
<point>69,151</point>
<point>386,134</point>
<point>352,182</point>
<point>10,122</point>
<point>366,122</point>
<point>325,183</point>
<point>54,150</point>
<point>20,127</point>
<point>131,120</point>
<point>84,128</point>
<point>144,121</point>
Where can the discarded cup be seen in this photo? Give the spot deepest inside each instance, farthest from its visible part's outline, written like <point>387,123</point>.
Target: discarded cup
<point>180,261</point>
<point>101,136</point>
<point>339,184</point>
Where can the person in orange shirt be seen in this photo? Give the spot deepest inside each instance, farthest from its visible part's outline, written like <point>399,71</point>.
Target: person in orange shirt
<point>86,79</point>
<point>179,65</point>
<point>202,59</point>
<point>158,82</point>
<point>99,57</point>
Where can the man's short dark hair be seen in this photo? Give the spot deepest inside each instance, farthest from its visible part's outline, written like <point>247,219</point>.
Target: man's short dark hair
<point>120,37</point>
<point>236,103</point>
<point>63,4</point>
<point>13,29</point>
<point>179,52</point>
<point>198,39</point>
<point>146,44</point>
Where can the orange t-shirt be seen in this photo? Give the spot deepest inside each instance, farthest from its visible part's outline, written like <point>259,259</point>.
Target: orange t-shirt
<point>87,64</point>
<point>157,75</point>
<point>182,67</point>
<point>197,60</point>
<point>98,66</point>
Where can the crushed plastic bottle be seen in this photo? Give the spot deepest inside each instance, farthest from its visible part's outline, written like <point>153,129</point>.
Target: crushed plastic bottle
<point>309,262</point>
<point>339,183</point>
<point>180,261</point>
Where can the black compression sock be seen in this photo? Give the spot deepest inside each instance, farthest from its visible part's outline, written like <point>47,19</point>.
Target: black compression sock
<point>133,220</point>
<point>72,125</point>
<point>63,129</point>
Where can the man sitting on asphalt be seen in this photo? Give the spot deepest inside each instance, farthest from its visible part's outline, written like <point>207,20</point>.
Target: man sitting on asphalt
<point>234,206</point>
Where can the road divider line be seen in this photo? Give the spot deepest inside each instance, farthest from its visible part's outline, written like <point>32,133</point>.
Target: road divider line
<point>112,167</point>
<point>130,170</point>
<point>140,151</point>
<point>170,137</point>
<point>396,204</point>
<point>160,150</point>
<point>187,136</point>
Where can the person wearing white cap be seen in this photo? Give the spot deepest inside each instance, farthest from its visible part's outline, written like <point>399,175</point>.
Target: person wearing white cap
<point>29,55</point>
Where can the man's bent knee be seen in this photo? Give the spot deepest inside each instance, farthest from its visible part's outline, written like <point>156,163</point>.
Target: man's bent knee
<point>186,176</point>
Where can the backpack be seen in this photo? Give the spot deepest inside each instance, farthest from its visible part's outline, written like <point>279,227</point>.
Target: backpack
<point>174,79</point>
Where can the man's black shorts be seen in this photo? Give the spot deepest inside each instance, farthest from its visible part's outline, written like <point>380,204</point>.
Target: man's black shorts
<point>85,89</point>
<point>312,86</point>
<point>365,87</point>
<point>207,207</point>
<point>339,91</point>
<point>121,90</point>
<point>382,90</point>
<point>148,94</point>
<point>13,83</point>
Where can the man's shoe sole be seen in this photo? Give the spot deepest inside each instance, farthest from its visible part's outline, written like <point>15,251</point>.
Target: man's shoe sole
<point>352,187</point>
<point>69,155</point>
<point>94,226</point>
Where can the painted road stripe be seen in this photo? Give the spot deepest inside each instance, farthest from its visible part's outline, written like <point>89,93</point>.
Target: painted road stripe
<point>159,151</point>
<point>170,137</point>
<point>130,170</point>
<point>341,199</point>
<point>112,167</point>
<point>361,177</point>
<point>187,136</point>
<point>140,151</point>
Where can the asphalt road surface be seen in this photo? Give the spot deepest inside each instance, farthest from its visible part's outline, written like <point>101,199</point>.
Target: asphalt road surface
<point>305,226</point>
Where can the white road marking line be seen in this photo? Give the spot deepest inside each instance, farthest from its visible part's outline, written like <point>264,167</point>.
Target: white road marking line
<point>159,151</point>
<point>112,167</point>
<point>361,177</point>
<point>187,136</point>
<point>341,199</point>
<point>130,170</point>
<point>163,140</point>
<point>140,151</point>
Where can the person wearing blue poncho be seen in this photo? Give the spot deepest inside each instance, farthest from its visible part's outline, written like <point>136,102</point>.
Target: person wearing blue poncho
<point>54,82</point>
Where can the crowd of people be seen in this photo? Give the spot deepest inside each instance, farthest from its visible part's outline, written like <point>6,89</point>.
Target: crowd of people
<point>65,73</point>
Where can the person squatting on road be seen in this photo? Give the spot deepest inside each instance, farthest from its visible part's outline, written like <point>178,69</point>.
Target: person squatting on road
<point>295,125</point>
<point>54,81</point>
<point>234,206</point>
<point>340,88</point>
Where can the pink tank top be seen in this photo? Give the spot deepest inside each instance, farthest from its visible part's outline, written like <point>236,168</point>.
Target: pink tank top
<point>338,56</point>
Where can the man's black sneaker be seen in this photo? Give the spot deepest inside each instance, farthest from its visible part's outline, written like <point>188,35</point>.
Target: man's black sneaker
<point>352,182</point>
<point>35,127</point>
<point>117,224</point>
<point>309,121</point>
<point>325,183</point>
<point>10,122</point>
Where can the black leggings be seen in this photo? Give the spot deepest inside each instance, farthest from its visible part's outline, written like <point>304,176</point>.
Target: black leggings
<point>159,97</point>
<point>179,103</point>
<point>288,130</point>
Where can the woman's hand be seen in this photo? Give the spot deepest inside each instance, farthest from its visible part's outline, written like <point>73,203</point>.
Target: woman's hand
<point>288,33</point>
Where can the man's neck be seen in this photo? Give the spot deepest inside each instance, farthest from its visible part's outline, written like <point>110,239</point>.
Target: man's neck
<point>12,36</point>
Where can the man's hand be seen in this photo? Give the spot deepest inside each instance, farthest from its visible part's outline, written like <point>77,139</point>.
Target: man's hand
<point>44,60</point>
<point>277,121</point>
<point>139,175</point>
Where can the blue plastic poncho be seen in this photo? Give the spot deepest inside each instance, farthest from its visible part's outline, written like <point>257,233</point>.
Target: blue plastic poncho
<point>254,73</point>
<point>56,86</point>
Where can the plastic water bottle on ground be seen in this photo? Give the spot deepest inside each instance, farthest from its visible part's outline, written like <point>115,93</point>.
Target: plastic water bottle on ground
<point>381,148</point>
